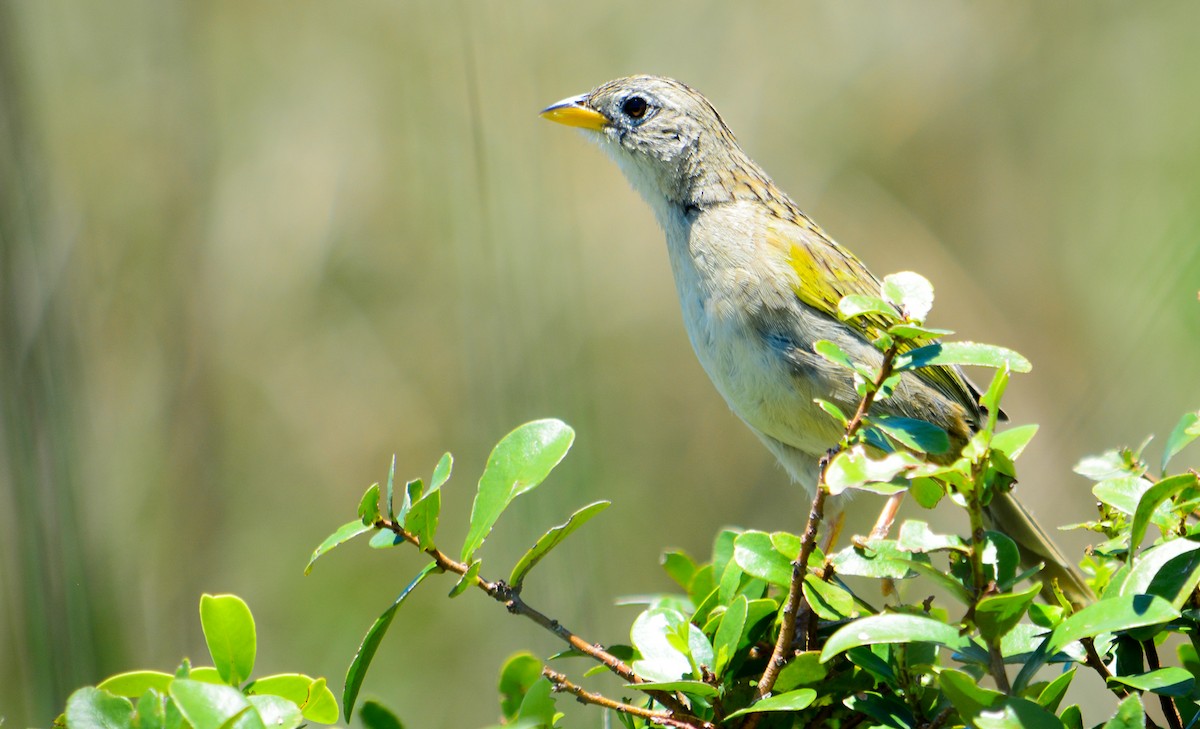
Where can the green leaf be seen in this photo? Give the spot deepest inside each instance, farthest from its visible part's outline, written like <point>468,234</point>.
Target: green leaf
<point>277,713</point>
<point>212,706</point>
<point>661,657</point>
<point>1111,615</point>
<point>422,519</point>
<point>832,410</point>
<point>827,600</point>
<point>441,472</point>
<point>370,643</point>
<point>853,468</point>
<point>1012,442</point>
<point>990,400</point>
<point>679,566</point>
<point>892,628</point>
<point>1109,464</point>
<point>1154,497</point>
<point>135,683</point>
<point>413,490</point>
<point>1186,431</point>
<point>1129,715</point>
<point>790,701</point>
<point>1170,681</point>
<point>384,539</point>
<point>916,434</point>
<point>995,615</point>
<point>1170,571</point>
<point>368,508</point>
<point>915,536</point>
<point>292,686</point>
<point>881,559</point>
<point>229,632</point>
<point>788,545</point>
<point>755,554</point>
<point>926,492</point>
<point>468,578</point>
<point>1122,492</point>
<point>344,533</point>
<point>517,676</point>
<point>917,333</point>
<point>321,705</point>
<point>1052,695</point>
<point>92,708</point>
<point>967,695</point>
<point>856,305</point>
<point>151,711</point>
<point>729,634</point>
<point>1017,713</point>
<point>391,480</point>
<point>1072,717</point>
<point>1002,556</point>
<point>695,688</point>
<point>961,353</point>
<point>538,703</point>
<point>834,354</point>
<point>552,539</point>
<point>805,669</point>
<point>375,715</point>
<point>518,463</point>
<point>910,292</point>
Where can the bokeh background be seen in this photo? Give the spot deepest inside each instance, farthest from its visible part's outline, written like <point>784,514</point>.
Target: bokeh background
<point>252,249</point>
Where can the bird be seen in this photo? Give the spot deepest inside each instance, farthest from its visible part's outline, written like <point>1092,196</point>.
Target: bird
<point>759,284</point>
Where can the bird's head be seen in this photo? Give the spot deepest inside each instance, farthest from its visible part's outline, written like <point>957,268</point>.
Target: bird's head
<point>668,139</point>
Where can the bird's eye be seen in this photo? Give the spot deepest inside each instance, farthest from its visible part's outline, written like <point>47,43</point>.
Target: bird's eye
<point>635,107</point>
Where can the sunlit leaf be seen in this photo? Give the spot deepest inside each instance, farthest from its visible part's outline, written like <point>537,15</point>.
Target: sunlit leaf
<point>344,533</point>
<point>370,643</point>
<point>229,632</point>
<point>1170,681</point>
<point>892,628</point>
<point>518,463</point>
<point>995,615</point>
<point>1186,431</point>
<point>1151,499</point>
<point>211,706</point>
<point>135,683</point>
<point>790,701</point>
<point>910,292</point>
<point>517,675</point>
<point>729,634</point>
<point>961,353</point>
<point>1111,615</point>
<point>552,539</point>
<point>368,508</point>
<point>916,434</point>
<point>93,708</point>
<point>755,554</point>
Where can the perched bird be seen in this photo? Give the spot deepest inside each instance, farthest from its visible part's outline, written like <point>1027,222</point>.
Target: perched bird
<point>759,283</point>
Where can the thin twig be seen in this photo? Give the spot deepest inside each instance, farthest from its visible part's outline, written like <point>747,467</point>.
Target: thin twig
<point>1168,706</point>
<point>501,592</point>
<point>664,718</point>
<point>787,629</point>
<point>1097,664</point>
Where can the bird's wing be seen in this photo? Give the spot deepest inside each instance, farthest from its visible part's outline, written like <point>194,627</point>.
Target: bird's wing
<point>826,272</point>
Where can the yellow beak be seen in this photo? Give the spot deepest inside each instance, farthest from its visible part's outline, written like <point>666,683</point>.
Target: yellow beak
<point>575,112</point>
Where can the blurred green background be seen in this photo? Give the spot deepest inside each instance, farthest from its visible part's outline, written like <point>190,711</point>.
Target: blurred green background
<point>252,249</point>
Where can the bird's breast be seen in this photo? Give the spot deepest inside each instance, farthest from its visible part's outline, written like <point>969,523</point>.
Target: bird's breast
<point>750,333</point>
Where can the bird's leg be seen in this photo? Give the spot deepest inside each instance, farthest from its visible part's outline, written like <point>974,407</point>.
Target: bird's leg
<point>835,530</point>
<point>887,517</point>
<point>883,527</point>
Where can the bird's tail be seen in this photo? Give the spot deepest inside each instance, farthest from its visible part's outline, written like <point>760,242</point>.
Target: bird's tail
<point>1009,517</point>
